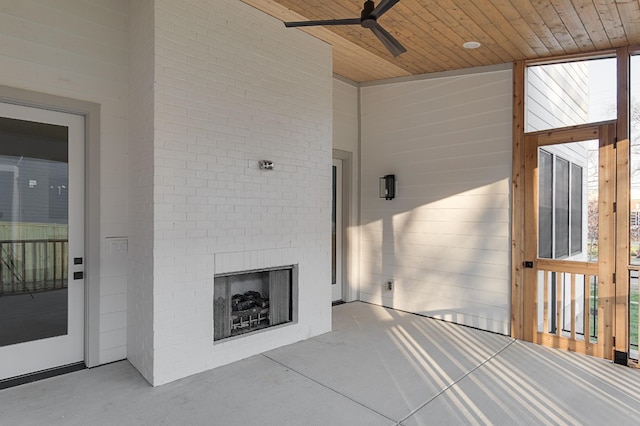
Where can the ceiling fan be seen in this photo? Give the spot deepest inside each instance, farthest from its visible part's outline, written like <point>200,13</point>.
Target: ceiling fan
<point>368,19</point>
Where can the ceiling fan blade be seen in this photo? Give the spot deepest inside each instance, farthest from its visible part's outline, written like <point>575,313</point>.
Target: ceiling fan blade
<point>388,40</point>
<point>382,7</point>
<point>350,21</point>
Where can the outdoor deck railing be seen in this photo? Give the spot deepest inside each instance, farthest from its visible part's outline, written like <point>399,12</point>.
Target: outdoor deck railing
<point>567,305</point>
<point>28,266</point>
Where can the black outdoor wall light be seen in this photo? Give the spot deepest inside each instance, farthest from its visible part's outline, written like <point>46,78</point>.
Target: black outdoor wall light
<point>388,187</point>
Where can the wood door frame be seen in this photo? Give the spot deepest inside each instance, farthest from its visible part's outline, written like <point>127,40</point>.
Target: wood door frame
<point>620,332</point>
<point>623,199</point>
<point>606,266</point>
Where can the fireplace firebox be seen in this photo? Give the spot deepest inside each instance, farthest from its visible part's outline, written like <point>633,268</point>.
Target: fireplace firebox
<point>247,301</point>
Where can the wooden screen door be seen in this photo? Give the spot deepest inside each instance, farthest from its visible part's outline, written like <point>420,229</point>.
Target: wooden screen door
<point>569,246</point>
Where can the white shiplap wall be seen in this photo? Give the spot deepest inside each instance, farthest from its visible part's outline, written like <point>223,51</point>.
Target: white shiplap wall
<point>557,95</point>
<point>79,50</point>
<point>445,239</point>
<point>345,116</point>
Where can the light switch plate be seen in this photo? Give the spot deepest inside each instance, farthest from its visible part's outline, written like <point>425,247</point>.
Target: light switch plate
<point>118,245</point>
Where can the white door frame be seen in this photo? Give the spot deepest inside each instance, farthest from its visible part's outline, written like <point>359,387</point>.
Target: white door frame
<point>349,235</point>
<point>91,113</point>
<point>52,352</point>
<point>337,288</point>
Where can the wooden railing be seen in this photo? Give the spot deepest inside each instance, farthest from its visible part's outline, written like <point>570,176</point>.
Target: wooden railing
<point>568,305</point>
<point>28,266</point>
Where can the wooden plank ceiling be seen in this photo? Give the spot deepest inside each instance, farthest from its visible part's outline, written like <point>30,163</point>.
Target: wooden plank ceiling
<point>433,32</point>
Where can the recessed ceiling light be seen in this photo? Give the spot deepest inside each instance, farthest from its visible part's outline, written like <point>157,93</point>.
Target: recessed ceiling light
<point>471,45</point>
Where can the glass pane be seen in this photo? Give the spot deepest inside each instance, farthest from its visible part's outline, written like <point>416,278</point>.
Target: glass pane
<point>561,206</point>
<point>592,201</point>
<point>576,209</point>
<point>545,205</point>
<point>33,230</point>
<point>568,201</point>
<point>333,227</point>
<point>566,94</point>
<point>635,162</point>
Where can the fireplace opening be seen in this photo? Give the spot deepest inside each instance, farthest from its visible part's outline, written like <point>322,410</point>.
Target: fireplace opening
<point>248,301</point>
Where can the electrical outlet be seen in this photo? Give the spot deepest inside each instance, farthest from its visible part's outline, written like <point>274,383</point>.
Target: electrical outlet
<point>389,285</point>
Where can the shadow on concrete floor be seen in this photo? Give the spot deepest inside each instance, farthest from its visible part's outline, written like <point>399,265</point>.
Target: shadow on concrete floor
<point>378,367</point>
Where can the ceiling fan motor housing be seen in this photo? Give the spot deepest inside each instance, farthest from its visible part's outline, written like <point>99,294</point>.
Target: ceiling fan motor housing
<point>367,9</point>
<point>366,20</point>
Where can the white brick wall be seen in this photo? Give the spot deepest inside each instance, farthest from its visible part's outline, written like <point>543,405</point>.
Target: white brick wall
<point>445,238</point>
<point>62,48</point>
<point>233,87</point>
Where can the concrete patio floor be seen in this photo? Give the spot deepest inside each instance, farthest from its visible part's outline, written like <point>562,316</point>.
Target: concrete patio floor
<point>378,367</point>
